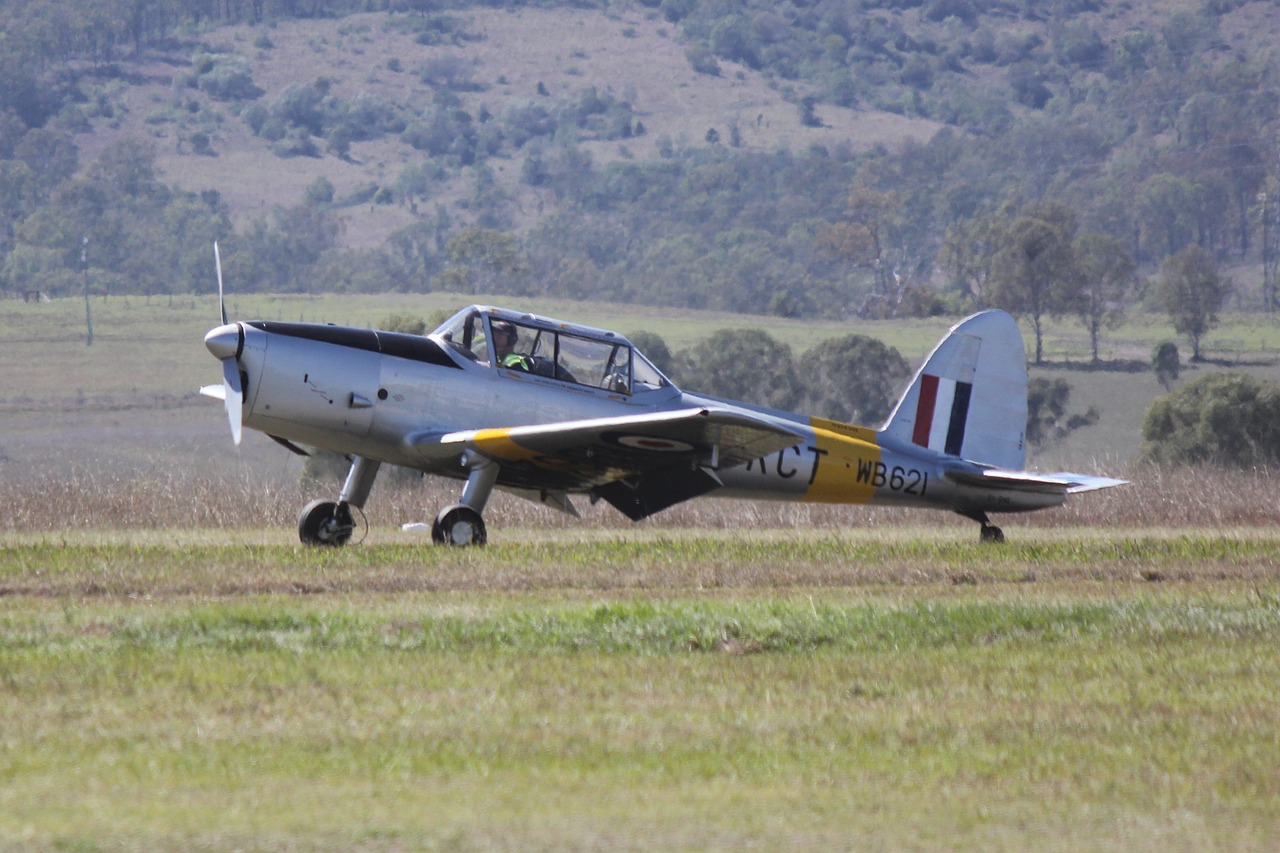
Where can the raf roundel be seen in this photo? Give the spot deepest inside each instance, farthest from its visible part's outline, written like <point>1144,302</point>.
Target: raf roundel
<point>651,443</point>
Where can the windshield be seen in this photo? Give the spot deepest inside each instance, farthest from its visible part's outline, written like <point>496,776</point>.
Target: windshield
<point>464,333</point>
<point>644,374</point>
<point>526,347</point>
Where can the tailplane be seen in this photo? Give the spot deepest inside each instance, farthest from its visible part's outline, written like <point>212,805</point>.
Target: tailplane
<point>970,398</point>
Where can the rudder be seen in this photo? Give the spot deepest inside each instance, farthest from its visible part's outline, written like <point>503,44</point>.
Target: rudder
<point>970,397</point>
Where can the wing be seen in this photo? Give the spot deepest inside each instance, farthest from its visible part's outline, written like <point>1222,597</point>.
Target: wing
<point>639,463</point>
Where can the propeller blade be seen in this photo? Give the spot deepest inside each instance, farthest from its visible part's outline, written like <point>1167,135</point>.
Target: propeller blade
<point>217,262</point>
<point>234,398</point>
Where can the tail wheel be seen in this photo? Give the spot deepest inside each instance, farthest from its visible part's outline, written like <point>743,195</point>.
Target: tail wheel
<point>325,523</point>
<point>459,525</point>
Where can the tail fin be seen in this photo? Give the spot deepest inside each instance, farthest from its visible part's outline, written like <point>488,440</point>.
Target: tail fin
<point>970,397</point>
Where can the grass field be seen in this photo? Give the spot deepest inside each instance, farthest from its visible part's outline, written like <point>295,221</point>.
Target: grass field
<point>659,689</point>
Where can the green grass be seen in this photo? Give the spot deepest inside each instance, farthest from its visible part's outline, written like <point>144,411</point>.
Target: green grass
<point>686,691</point>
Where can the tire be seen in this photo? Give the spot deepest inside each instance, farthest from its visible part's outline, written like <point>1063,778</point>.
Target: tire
<point>325,524</point>
<point>459,525</point>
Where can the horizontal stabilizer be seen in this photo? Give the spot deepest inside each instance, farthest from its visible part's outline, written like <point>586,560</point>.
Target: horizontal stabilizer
<point>1032,481</point>
<point>1086,483</point>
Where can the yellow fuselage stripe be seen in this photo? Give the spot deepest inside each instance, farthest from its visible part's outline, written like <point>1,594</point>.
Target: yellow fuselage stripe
<point>842,450</point>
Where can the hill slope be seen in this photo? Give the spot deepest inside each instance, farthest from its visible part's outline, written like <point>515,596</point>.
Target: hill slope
<point>502,56</point>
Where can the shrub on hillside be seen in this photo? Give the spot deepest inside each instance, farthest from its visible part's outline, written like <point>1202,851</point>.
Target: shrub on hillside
<point>226,80</point>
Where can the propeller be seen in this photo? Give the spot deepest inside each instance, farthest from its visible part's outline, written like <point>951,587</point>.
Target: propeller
<point>222,302</point>
<point>233,398</point>
<point>226,343</point>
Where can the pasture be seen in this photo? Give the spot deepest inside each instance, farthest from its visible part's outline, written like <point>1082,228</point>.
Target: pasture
<point>734,676</point>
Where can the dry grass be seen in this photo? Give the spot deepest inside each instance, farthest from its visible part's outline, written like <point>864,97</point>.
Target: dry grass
<point>92,500</point>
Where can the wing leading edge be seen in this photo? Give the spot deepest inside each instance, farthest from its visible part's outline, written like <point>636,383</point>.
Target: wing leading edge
<point>641,464</point>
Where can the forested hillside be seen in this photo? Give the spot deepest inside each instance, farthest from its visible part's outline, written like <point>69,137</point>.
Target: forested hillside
<point>872,158</point>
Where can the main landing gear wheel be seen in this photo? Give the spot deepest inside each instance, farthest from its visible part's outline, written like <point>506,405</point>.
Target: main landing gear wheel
<point>325,523</point>
<point>991,533</point>
<point>460,525</point>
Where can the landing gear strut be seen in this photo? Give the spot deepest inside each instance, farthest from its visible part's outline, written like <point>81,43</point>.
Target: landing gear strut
<point>331,523</point>
<point>461,523</point>
<point>989,532</point>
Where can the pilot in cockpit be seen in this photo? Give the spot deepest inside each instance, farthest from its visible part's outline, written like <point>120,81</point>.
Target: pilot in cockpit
<point>505,338</point>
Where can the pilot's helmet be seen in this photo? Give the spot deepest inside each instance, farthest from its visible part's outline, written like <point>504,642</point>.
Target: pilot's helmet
<point>505,327</point>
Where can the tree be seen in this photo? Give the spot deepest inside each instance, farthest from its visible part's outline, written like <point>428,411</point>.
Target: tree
<point>51,156</point>
<point>1047,416</point>
<point>482,260</point>
<point>968,252</point>
<point>863,240</point>
<point>1193,292</point>
<point>742,364</point>
<point>1165,363</point>
<point>1167,206</point>
<point>1270,249</point>
<point>1106,272</point>
<point>1035,272</point>
<point>855,378</point>
<point>654,348</point>
<point>1228,419</point>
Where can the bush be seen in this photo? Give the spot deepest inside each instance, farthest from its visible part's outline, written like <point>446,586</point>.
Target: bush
<point>702,60</point>
<point>228,82</point>
<point>320,191</point>
<point>1165,363</point>
<point>256,115</point>
<point>855,378</point>
<point>296,143</point>
<point>654,348</point>
<point>742,364</point>
<point>402,322</point>
<point>1229,419</point>
<point>201,144</point>
<point>299,106</point>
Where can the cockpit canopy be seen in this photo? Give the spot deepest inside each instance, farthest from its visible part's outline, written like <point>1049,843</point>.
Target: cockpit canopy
<point>544,347</point>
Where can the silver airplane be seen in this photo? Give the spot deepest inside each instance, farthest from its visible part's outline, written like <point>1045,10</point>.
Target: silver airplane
<point>547,410</point>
